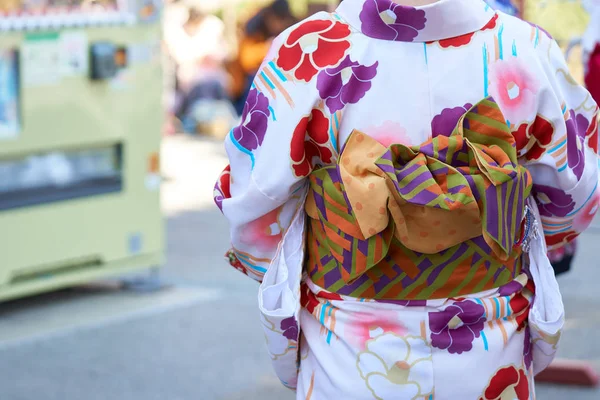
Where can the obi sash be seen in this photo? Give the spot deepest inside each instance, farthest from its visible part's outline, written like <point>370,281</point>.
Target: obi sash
<point>438,220</point>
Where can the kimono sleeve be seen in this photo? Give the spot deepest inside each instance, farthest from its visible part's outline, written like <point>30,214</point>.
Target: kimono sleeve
<point>560,149</point>
<point>270,157</point>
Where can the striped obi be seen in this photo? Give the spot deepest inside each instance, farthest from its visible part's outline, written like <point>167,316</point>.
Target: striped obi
<point>439,220</point>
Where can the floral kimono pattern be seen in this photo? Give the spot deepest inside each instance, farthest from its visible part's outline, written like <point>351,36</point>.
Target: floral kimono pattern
<point>405,78</point>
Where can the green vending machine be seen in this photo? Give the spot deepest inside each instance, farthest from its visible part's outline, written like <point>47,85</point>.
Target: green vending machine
<point>80,127</point>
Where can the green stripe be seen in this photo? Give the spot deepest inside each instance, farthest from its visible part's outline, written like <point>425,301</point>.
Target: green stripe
<point>443,277</point>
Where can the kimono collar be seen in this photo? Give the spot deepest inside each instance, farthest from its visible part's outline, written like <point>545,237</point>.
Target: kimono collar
<point>444,19</point>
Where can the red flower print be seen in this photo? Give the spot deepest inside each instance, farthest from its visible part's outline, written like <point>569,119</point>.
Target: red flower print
<point>592,133</point>
<point>222,187</point>
<point>508,383</point>
<point>310,144</point>
<point>310,300</point>
<point>560,239</point>
<point>520,305</point>
<point>464,40</point>
<point>235,262</point>
<point>313,46</point>
<point>534,139</point>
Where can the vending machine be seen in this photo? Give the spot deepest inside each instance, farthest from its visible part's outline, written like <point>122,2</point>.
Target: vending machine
<point>80,128</point>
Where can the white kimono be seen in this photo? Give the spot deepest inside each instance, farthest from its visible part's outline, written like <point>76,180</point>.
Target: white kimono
<point>390,186</point>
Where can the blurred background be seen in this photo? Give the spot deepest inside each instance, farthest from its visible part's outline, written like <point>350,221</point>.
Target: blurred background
<point>113,283</point>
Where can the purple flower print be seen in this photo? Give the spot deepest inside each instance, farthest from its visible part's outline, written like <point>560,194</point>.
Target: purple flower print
<point>552,201</point>
<point>345,84</point>
<point>444,123</point>
<point>577,126</point>
<point>289,326</point>
<point>255,118</point>
<point>384,19</point>
<point>510,288</point>
<point>455,328</point>
<point>528,348</point>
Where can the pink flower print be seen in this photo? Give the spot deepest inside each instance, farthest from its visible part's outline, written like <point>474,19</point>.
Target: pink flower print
<point>455,328</point>
<point>390,133</point>
<point>251,132</point>
<point>515,90</point>
<point>289,326</point>
<point>553,202</point>
<point>584,217</point>
<point>364,327</point>
<point>345,84</point>
<point>263,233</point>
<point>444,123</point>
<point>384,19</point>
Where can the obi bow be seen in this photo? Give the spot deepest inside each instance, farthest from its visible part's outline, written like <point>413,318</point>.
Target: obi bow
<point>429,197</point>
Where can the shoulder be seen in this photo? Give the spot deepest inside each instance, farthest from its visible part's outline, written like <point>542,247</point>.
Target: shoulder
<point>531,42</point>
<point>522,29</point>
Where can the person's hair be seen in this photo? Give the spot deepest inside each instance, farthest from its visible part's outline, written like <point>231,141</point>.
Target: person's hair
<point>195,15</point>
<point>258,25</point>
<point>279,8</point>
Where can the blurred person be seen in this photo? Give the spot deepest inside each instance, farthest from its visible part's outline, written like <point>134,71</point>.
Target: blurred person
<point>255,42</point>
<point>199,50</point>
<point>396,193</point>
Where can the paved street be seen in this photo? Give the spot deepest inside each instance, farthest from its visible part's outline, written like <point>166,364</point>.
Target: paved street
<point>199,338</point>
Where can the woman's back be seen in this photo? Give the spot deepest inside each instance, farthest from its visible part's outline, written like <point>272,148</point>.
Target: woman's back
<point>411,138</point>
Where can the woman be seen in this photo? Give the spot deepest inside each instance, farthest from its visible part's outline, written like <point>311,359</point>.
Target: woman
<point>199,49</point>
<point>392,166</point>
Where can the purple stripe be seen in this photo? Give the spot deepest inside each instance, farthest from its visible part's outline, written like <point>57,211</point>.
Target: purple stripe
<point>492,211</point>
<point>462,249</point>
<point>471,181</point>
<point>498,272</point>
<point>383,281</point>
<point>405,303</point>
<point>405,171</point>
<point>363,246</point>
<point>334,174</point>
<point>456,189</point>
<point>440,171</point>
<point>320,203</point>
<point>348,290</point>
<point>347,254</point>
<point>415,182</point>
<point>423,198</point>
<point>482,244</point>
<point>332,277</point>
<point>476,258</point>
<point>427,149</point>
<point>463,151</point>
<point>511,229</point>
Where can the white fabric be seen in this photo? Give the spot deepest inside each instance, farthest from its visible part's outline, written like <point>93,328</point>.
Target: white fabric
<point>547,314</point>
